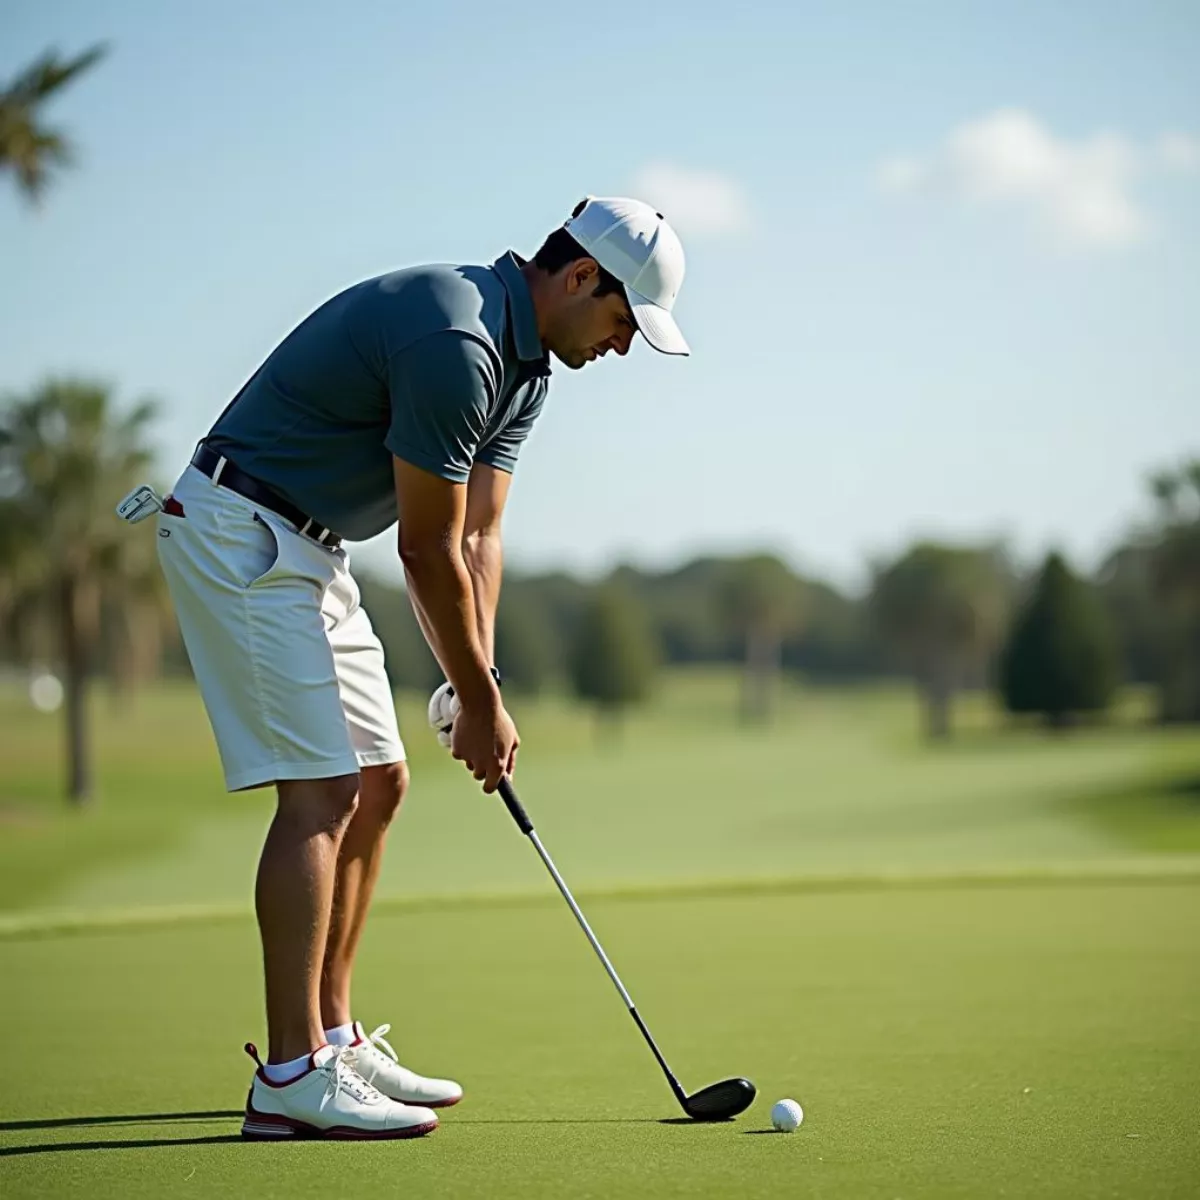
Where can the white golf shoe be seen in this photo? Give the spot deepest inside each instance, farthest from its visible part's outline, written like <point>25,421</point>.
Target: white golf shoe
<point>330,1100</point>
<point>372,1057</point>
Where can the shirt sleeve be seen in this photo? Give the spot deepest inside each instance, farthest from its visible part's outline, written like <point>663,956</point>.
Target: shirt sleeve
<point>442,389</point>
<point>500,450</point>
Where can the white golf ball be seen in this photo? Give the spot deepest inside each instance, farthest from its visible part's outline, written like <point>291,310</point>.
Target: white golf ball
<point>786,1116</point>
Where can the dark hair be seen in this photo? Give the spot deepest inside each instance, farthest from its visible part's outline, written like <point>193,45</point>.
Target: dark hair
<point>560,249</point>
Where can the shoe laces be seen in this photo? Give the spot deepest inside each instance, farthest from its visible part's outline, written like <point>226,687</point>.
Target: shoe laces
<point>377,1039</point>
<point>342,1077</point>
<point>367,1056</point>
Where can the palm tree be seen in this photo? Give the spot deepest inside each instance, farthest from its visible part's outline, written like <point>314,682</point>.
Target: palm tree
<point>27,146</point>
<point>74,578</point>
<point>941,610</point>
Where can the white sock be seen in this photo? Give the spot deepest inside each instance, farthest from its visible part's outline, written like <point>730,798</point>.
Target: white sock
<point>286,1072</point>
<point>342,1035</point>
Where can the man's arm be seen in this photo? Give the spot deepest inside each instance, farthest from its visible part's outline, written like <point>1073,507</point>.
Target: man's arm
<point>483,554</point>
<point>487,491</point>
<point>433,515</point>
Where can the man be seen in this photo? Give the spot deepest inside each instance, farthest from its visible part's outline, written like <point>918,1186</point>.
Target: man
<point>405,398</point>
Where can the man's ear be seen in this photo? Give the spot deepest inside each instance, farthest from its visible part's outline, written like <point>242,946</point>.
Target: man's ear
<point>580,276</point>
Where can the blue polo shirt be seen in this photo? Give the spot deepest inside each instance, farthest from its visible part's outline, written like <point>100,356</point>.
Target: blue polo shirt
<point>441,366</point>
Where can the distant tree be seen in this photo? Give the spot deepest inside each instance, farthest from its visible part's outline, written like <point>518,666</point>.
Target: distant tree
<point>940,610</point>
<point>1175,571</point>
<point>1062,656</point>
<point>28,147</point>
<point>685,605</point>
<point>69,567</point>
<point>527,646</point>
<point>613,657</point>
<point>557,598</point>
<point>1126,586</point>
<point>761,601</point>
<point>834,641</point>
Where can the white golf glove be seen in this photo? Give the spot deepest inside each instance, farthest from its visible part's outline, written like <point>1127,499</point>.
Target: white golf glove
<point>443,708</point>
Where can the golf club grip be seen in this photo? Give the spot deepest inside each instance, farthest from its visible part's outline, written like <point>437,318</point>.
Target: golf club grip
<point>514,805</point>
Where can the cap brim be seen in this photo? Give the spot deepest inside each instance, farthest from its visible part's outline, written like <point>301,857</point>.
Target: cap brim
<point>657,325</point>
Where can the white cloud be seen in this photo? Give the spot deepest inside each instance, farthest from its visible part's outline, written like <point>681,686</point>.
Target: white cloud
<point>1179,151</point>
<point>1080,192</point>
<point>695,202</point>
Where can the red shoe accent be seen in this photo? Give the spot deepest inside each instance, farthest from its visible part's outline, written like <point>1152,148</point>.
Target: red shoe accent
<point>252,1050</point>
<point>262,1127</point>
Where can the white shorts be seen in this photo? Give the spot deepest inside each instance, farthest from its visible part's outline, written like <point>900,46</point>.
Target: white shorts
<point>289,667</point>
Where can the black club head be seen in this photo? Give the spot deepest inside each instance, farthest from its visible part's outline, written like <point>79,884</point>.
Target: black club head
<point>720,1101</point>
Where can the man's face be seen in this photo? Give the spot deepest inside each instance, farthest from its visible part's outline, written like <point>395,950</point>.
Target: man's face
<point>585,328</point>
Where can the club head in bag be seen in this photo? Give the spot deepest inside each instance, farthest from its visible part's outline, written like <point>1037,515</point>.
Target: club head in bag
<point>720,1101</point>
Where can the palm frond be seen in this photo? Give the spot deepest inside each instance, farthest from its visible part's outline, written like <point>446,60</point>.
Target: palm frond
<point>49,73</point>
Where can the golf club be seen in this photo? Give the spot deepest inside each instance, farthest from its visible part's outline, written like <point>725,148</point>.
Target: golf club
<point>718,1101</point>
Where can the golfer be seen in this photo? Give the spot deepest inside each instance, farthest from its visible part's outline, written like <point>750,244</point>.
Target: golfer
<point>405,398</point>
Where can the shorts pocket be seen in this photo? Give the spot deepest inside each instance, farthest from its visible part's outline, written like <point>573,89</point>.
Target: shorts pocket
<point>253,548</point>
<point>261,549</point>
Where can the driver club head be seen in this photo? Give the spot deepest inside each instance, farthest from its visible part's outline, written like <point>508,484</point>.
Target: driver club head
<point>720,1101</point>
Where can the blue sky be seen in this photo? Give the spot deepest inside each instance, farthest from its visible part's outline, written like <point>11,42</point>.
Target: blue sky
<point>943,266</point>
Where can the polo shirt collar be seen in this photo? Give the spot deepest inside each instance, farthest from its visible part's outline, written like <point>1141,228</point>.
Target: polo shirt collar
<point>520,306</point>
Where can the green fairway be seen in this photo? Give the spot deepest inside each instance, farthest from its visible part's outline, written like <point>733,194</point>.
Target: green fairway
<point>989,1041</point>
<point>840,784</point>
<point>975,965</point>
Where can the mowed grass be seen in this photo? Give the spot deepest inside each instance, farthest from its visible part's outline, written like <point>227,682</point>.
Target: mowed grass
<point>841,783</point>
<point>1029,1041</point>
<point>947,1038</point>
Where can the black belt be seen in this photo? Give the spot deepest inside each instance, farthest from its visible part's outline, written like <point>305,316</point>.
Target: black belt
<point>221,471</point>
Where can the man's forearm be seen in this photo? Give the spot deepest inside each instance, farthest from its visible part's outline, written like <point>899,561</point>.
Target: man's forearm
<point>484,558</point>
<point>442,594</point>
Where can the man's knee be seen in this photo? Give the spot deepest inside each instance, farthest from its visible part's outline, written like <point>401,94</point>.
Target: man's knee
<point>382,791</point>
<point>324,805</point>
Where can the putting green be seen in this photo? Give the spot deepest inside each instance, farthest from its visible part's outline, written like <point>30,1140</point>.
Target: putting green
<point>1023,1040</point>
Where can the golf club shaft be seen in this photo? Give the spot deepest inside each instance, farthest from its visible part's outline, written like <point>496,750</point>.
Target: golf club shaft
<point>515,807</point>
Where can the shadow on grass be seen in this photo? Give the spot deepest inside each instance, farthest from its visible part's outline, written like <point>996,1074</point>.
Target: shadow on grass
<point>1159,813</point>
<point>1188,788</point>
<point>229,1114</point>
<point>134,1144</point>
<point>553,1120</point>
<point>218,1114</point>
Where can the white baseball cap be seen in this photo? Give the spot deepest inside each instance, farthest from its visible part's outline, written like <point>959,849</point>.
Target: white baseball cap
<point>633,241</point>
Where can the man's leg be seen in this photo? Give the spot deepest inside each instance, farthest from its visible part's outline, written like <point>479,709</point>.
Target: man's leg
<point>293,897</point>
<point>381,790</point>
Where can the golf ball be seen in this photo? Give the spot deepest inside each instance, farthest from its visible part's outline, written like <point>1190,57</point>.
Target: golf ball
<point>786,1116</point>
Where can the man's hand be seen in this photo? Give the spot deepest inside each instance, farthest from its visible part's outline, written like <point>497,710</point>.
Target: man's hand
<point>485,738</point>
<point>444,715</point>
